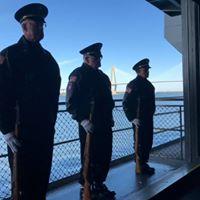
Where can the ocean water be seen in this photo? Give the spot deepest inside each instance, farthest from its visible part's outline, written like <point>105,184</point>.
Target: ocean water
<point>66,156</point>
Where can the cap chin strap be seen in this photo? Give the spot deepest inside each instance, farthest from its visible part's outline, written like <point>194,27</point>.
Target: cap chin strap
<point>32,17</point>
<point>141,66</point>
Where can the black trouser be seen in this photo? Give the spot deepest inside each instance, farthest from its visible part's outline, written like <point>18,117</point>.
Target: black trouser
<point>35,157</point>
<point>145,138</point>
<point>100,153</point>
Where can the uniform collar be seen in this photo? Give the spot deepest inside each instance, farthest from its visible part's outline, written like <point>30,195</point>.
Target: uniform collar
<point>89,67</point>
<point>24,42</point>
<point>140,78</point>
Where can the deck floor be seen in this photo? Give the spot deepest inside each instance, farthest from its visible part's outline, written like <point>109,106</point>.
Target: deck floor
<point>122,179</point>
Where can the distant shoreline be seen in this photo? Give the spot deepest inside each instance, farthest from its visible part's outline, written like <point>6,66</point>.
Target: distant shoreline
<point>167,93</point>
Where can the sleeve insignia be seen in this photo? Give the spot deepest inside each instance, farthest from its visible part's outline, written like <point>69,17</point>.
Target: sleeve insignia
<point>73,79</point>
<point>128,90</point>
<point>2,58</point>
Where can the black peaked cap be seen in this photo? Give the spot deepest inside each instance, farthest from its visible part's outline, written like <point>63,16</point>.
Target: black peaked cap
<point>35,11</point>
<point>144,63</point>
<point>94,49</point>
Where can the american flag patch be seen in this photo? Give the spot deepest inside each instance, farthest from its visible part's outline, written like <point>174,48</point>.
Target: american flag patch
<point>69,87</point>
<point>128,90</point>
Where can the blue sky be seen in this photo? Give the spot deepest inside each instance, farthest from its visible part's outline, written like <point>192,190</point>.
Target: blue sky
<point>130,30</point>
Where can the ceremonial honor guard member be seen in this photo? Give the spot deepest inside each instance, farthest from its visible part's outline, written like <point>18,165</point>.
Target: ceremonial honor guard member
<point>29,92</point>
<point>89,100</point>
<point>139,107</point>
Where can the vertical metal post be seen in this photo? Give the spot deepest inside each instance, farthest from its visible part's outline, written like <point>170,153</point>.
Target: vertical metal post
<point>181,130</point>
<point>191,78</point>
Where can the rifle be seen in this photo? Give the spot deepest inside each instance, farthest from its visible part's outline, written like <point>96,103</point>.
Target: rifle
<point>16,193</point>
<point>87,189</point>
<point>137,158</point>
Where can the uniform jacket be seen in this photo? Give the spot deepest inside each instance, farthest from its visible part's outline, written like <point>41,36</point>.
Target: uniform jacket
<point>86,85</point>
<point>139,88</point>
<point>30,76</point>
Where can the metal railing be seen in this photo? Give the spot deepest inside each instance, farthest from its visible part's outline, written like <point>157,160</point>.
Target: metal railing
<point>168,141</point>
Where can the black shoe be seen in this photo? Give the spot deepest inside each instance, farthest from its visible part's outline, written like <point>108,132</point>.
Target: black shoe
<point>101,192</point>
<point>146,169</point>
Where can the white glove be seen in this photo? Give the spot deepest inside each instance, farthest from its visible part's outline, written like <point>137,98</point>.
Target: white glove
<point>136,122</point>
<point>11,141</point>
<point>87,125</point>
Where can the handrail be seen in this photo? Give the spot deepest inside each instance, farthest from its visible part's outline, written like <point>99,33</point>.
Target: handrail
<point>123,129</point>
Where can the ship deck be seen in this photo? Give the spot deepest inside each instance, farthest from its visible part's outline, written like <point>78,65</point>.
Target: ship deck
<point>127,185</point>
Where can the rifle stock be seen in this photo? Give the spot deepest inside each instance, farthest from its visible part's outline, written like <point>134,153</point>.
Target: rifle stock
<point>15,172</point>
<point>86,191</point>
<point>87,188</point>
<point>137,158</point>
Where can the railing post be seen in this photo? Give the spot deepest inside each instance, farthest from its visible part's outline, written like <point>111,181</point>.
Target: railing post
<point>181,130</point>
<point>190,12</point>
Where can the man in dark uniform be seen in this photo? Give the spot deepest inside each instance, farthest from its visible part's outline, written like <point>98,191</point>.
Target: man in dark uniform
<point>88,84</point>
<point>30,81</point>
<point>140,92</point>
